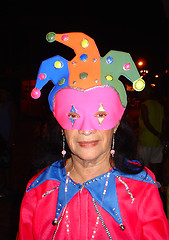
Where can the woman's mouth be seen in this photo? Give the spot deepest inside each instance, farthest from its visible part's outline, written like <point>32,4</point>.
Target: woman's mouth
<point>87,144</point>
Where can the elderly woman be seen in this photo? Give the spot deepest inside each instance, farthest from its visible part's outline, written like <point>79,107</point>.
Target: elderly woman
<point>96,193</point>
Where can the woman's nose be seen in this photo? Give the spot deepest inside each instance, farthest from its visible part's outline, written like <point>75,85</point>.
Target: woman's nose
<point>87,132</point>
<point>86,127</point>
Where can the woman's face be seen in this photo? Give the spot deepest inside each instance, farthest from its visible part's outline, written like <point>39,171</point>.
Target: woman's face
<point>90,145</point>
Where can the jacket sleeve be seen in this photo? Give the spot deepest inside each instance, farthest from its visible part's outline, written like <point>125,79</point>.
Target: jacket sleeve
<point>154,222</point>
<point>26,216</point>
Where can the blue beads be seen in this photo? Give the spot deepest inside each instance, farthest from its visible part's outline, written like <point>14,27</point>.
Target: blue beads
<point>83,57</point>
<point>109,60</point>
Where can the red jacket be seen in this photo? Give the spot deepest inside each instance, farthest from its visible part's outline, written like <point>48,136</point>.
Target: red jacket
<point>82,213</point>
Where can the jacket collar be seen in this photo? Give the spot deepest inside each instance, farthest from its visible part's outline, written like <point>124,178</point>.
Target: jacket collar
<point>95,186</point>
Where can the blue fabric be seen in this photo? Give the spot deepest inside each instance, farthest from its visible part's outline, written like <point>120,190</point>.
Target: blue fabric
<point>95,187</point>
<point>110,200</point>
<point>48,68</point>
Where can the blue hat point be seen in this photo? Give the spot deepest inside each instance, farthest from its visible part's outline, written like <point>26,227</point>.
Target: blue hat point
<point>54,69</point>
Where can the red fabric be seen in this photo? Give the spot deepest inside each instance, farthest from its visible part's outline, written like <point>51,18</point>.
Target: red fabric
<point>144,219</point>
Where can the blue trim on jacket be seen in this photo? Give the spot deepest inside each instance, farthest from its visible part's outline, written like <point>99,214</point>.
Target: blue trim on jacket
<point>95,186</point>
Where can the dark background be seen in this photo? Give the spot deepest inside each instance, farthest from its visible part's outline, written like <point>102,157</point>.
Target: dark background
<point>138,27</point>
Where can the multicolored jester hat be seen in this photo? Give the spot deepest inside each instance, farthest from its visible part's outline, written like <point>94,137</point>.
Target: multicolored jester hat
<point>88,94</point>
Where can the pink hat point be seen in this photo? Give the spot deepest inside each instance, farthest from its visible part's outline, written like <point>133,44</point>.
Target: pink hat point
<point>35,93</point>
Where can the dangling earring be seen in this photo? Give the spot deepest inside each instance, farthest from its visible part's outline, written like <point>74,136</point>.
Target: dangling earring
<point>112,150</point>
<point>63,151</point>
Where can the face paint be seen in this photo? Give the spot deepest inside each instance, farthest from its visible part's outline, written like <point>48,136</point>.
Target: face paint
<point>93,109</point>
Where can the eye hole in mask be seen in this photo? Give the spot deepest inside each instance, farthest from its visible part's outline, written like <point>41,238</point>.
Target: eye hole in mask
<point>72,115</point>
<point>101,114</point>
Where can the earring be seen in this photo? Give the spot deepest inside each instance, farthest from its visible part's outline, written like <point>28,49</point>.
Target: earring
<point>112,150</point>
<point>63,151</point>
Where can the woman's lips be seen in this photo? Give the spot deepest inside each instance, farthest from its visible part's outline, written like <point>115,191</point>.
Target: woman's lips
<point>87,144</point>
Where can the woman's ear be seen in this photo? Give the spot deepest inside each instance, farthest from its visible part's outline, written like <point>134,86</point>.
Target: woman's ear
<point>116,127</point>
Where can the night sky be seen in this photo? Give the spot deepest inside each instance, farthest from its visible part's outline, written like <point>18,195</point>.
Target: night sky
<point>141,29</point>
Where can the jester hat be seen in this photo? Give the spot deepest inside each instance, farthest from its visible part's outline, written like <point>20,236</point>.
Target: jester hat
<point>87,92</point>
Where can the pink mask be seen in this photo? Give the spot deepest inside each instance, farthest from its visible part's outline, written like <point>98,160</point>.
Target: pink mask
<point>97,108</point>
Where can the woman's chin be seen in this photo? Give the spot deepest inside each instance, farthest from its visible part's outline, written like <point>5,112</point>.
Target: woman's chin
<point>88,154</point>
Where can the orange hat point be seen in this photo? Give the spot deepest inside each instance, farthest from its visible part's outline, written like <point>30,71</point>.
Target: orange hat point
<point>86,64</point>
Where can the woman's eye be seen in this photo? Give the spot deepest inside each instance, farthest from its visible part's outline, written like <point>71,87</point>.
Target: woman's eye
<point>101,114</point>
<point>73,115</point>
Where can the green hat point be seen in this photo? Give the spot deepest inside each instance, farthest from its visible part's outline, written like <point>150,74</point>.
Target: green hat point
<point>113,65</point>
<point>50,37</point>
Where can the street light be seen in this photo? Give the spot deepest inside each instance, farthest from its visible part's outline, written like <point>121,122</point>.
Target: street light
<point>140,63</point>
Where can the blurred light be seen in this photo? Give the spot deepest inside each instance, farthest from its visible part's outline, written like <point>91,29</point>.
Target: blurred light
<point>143,72</point>
<point>156,76</point>
<point>140,63</point>
<point>153,85</point>
<point>166,71</point>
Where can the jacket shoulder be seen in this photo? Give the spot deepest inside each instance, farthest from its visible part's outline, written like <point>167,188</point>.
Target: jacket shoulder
<point>55,171</point>
<point>146,175</point>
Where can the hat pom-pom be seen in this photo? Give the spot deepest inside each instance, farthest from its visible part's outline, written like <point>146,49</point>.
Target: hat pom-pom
<point>35,93</point>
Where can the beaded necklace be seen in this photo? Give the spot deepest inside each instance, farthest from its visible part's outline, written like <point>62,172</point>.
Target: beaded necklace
<point>55,222</point>
<point>99,217</point>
